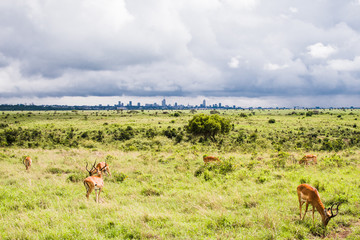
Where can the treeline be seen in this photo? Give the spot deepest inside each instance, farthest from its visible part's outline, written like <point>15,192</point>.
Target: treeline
<point>321,139</point>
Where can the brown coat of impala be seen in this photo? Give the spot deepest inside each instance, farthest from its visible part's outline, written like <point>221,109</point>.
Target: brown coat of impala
<point>94,182</point>
<point>207,159</point>
<point>308,158</point>
<point>27,162</point>
<point>309,195</point>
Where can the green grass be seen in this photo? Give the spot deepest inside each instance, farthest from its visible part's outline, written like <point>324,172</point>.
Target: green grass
<point>161,189</point>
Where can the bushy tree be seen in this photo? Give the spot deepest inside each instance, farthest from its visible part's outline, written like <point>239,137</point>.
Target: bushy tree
<point>208,125</point>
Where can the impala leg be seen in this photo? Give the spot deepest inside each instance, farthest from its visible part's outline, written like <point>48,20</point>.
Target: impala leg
<point>301,203</point>
<point>88,190</point>
<point>306,208</point>
<point>97,196</point>
<point>313,214</point>
<point>88,193</point>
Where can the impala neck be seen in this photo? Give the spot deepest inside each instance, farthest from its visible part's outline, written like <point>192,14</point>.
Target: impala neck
<point>321,209</point>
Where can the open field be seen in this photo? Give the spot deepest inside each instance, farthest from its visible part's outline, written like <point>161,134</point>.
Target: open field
<point>160,188</point>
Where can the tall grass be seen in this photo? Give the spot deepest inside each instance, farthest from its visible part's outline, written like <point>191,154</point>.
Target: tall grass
<point>161,189</point>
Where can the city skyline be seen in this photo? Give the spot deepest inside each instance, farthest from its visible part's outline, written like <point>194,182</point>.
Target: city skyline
<point>163,105</point>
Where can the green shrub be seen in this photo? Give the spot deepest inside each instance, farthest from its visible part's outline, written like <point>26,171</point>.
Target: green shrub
<point>334,161</point>
<point>151,133</point>
<point>123,134</point>
<point>208,126</point>
<point>272,120</point>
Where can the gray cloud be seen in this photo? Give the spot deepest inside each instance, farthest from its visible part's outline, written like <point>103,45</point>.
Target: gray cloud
<point>214,48</point>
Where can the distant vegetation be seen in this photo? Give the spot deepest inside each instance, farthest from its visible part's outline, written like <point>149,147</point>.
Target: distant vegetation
<point>160,187</point>
<point>325,132</point>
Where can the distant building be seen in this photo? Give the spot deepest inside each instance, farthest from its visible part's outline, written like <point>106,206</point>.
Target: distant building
<point>163,103</point>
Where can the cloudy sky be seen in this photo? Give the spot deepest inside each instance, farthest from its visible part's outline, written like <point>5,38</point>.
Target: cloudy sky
<point>243,52</point>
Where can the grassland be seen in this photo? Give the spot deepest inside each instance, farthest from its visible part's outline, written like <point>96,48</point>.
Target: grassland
<point>168,193</point>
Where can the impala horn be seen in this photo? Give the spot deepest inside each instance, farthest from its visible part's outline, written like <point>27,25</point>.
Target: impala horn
<point>337,209</point>
<point>91,168</point>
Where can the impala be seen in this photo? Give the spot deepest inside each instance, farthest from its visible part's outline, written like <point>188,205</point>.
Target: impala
<point>94,181</point>
<point>308,158</point>
<point>27,162</point>
<point>309,195</point>
<point>210,159</point>
<point>105,166</point>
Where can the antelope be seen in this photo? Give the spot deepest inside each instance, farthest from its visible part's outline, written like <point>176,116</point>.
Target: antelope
<point>27,162</point>
<point>100,165</point>
<point>310,195</point>
<point>94,181</point>
<point>308,158</point>
<point>210,159</point>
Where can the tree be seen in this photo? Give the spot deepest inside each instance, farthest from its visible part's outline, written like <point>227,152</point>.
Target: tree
<point>208,125</point>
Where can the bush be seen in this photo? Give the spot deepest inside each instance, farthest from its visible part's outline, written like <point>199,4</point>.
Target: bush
<point>272,121</point>
<point>170,132</point>
<point>208,126</point>
<point>334,161</point>
<point>151,133</point>
<point>124,134</point>
<point>333,145</point>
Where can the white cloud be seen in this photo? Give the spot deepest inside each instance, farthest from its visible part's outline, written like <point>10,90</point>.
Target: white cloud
<point>345,64</point>
<point>319,50</point>
<point>181,48</point>
<point>242,4</point>
<point>273,66</point>
<point>293,9</point>
<point>234,62</point>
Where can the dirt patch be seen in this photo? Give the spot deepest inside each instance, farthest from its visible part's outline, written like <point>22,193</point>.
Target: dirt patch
<point>343,232</point>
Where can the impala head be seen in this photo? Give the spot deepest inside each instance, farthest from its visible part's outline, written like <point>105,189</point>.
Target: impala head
<point>99,171</point>
<point>91,171</point>
<point>106,169</point>
<point>329,213</point>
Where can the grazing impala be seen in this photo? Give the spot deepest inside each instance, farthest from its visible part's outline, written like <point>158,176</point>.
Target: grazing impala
<point>94,182</point>
<point>210,159</point>
<point>309,195</point>
<point>101,165</point>
<point>308,158</point>
<point>27,162</point>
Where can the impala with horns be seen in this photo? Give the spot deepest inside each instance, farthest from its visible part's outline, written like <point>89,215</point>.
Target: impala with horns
<point>309,195</point>
<point>100,165</point>
<point>94,182</point>
<point>308,158</point>
<point>207,159</point>
<point>27,162</point>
